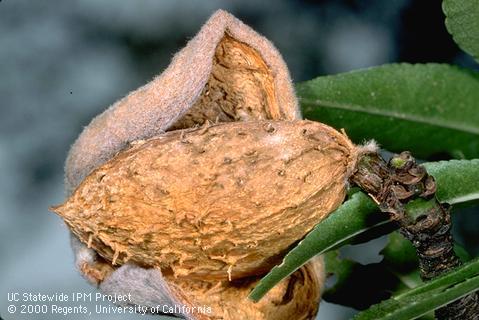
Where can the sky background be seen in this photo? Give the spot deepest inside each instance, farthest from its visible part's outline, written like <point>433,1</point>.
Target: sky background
<point>63,62</point>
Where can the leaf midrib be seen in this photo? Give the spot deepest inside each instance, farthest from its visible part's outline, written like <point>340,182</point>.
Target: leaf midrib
<point>383,113</point>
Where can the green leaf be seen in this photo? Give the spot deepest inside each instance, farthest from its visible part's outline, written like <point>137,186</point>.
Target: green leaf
<point>358,215</point>
<point>427,297</point>
<point>456,180</point>
<point>427,109</point>
<point>342,268</point>
<point>399,253</point>
<point>462,21</point>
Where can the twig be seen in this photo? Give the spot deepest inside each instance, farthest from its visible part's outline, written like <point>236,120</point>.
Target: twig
<point>406,191</point>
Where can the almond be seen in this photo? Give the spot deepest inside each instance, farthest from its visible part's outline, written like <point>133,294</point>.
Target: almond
<point>218,202</point>
<point>203,206</point>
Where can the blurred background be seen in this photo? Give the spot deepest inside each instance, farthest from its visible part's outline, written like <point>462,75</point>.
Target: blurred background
<point>63,62</point>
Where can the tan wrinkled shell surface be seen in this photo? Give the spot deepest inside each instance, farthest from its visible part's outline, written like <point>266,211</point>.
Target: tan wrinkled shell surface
<point>296,297</point>
<point>215,202</point>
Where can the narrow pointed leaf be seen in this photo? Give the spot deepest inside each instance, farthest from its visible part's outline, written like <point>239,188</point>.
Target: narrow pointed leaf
<point>426,108</point>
